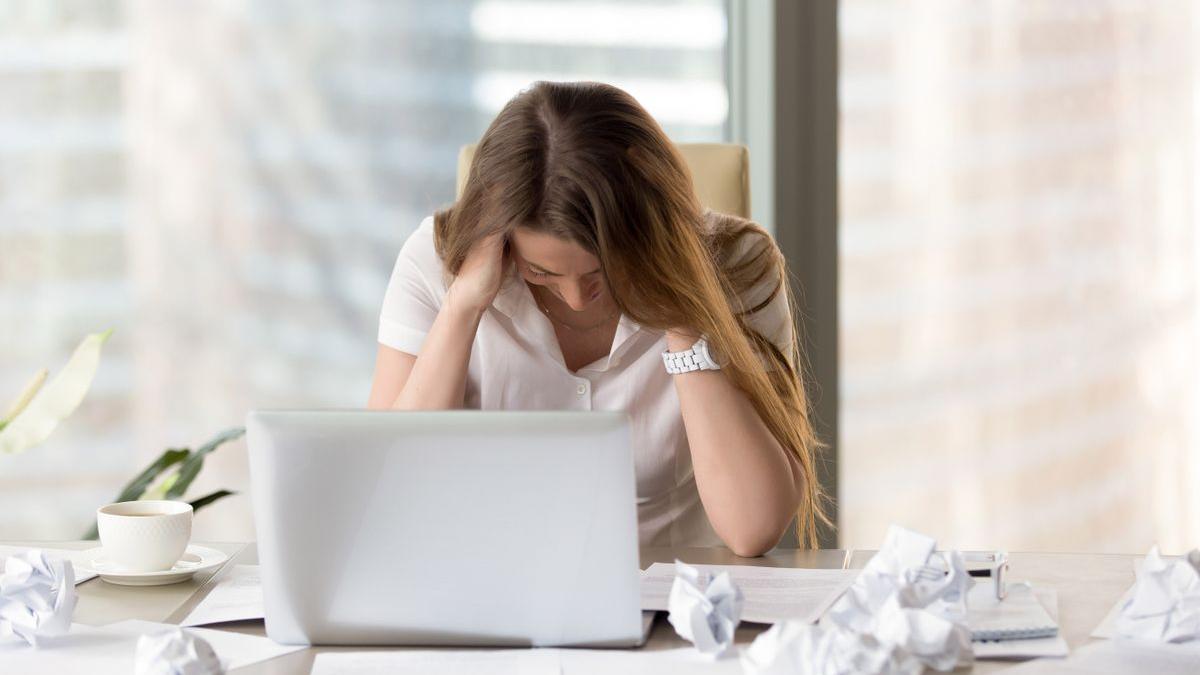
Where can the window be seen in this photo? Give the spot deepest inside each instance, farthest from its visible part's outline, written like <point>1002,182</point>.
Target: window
<point>227,185</point>
<point>1019,266</point>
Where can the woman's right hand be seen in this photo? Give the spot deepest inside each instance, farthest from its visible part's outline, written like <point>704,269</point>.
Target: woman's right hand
<point>478,280</point>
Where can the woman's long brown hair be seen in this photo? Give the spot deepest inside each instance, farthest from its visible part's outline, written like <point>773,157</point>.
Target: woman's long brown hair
<point>586,162</point>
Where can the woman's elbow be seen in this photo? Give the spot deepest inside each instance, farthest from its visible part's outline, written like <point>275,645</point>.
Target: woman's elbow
<point>750,548</point>
<point>751,543</point>
<point>750,536</point>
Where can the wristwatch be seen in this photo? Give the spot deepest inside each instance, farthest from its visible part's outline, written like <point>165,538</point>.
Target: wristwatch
<point>696,358</point>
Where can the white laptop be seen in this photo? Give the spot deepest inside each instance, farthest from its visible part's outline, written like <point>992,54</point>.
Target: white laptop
<point>446,528</point>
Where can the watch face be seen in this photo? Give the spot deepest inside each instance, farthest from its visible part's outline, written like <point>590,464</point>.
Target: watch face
<point>706,356</point>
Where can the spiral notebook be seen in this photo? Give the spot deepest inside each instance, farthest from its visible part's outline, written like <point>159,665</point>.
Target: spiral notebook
<point>1018,617</point>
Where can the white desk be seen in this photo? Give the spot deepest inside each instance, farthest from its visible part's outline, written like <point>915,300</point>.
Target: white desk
<point>1087,584</point>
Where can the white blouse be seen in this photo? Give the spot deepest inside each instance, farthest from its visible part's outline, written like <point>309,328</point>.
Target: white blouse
<point>516,364</point>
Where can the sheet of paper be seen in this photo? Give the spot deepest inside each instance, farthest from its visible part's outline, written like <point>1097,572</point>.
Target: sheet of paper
<point>235,649</point>
<point>1118,657</point>
<point>81,575</point>
<point>83,649</point>
<point>684,660</point>
<point>1020,612</point>
<point>523,661</point>
<point>440,662</point>
<point>236,596</point>
<point>1028,649</point>
<point>110,649</point>
<point>772,594</point>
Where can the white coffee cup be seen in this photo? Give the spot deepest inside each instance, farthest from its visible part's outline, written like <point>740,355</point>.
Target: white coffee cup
<point>145,536</point>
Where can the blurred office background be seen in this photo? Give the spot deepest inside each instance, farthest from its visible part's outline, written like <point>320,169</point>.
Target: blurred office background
<point>1017,269</point>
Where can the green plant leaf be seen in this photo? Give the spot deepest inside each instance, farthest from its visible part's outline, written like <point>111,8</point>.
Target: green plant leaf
<point>137,487</point>
<point>207,499</point>
<point>174,484</point>
<point>224,437</point>
<point>190,468</point>
<point>197,504</point>
<point>52,403</point>
<point>159,489</point>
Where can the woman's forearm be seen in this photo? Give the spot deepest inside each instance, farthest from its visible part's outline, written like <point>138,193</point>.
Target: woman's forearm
<point>749,484</point>
<point>438,378</point>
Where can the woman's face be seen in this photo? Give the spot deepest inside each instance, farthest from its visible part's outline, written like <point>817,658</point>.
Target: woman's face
<point>560,266</point>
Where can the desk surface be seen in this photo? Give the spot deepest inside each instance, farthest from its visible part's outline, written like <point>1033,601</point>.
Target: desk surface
<point>1088,585</point>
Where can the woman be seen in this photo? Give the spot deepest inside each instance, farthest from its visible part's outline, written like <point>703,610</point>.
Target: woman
<point>578,271</point>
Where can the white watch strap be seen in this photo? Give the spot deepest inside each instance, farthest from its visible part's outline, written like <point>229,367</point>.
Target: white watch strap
<point>689,360</point>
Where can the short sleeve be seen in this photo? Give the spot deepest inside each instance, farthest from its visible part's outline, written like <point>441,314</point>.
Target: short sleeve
<point>414,293</point>
<point>773,321</point>
<point>773,317</point>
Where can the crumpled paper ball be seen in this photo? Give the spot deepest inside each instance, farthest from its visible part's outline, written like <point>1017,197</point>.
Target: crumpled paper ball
<point>1165,606</point>
<point>905,611</point>
<point>37,596</point>
<point>907,569</point>
<point>796,648</point>
<point>936,640</point>
<point>704,610</point>
<point>176,652</point>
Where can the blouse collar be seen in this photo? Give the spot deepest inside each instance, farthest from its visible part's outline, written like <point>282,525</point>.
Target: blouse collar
<point>516,302</point>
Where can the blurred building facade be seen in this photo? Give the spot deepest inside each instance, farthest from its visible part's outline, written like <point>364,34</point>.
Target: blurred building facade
<point>1019,273</point>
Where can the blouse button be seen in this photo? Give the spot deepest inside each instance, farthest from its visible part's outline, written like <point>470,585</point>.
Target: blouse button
<point>581,389</point>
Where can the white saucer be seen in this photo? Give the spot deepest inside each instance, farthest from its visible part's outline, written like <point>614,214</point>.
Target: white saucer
<point>195,559</point>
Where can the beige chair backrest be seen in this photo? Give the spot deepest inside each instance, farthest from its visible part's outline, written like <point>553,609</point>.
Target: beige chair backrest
<point>720,171</point>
